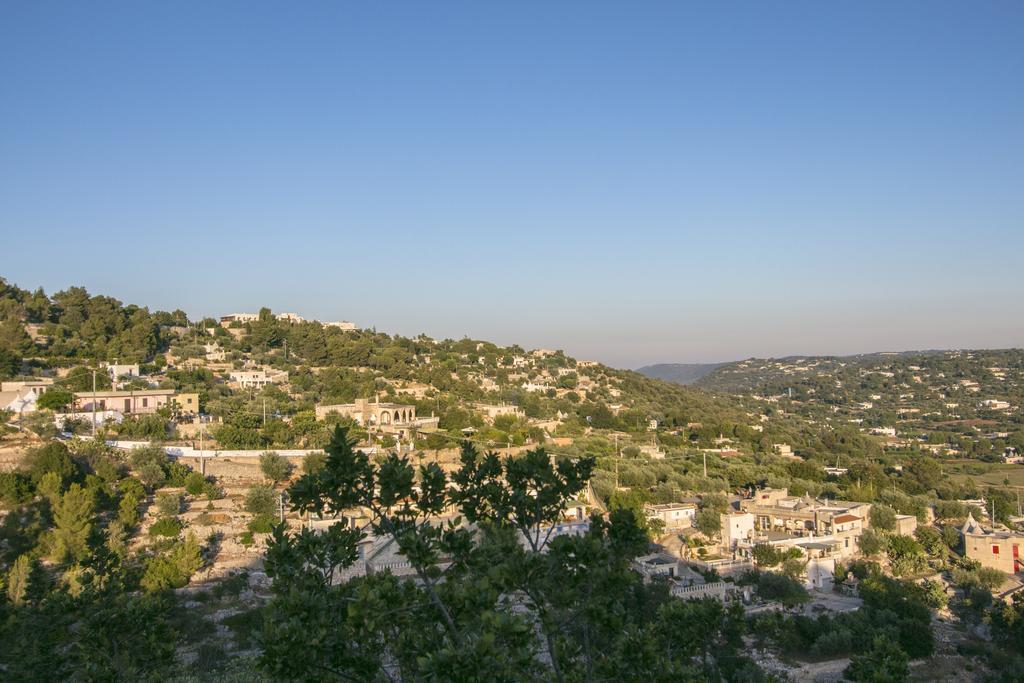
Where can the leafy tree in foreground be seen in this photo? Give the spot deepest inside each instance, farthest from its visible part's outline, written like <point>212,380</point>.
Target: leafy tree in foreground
<point>499,597</point>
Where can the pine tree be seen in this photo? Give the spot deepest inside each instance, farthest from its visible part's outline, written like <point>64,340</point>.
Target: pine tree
<point>72,518</point>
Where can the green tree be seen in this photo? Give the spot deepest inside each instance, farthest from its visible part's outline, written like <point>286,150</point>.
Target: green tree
<point>55,399</point>
<point>883,517</point>
<point>709,522</point>
<point>53,457</point>
<point>72,519</point>
<point>885,662</point>
<point>766,555</point>
<point>581,606</point>
<point>871,542</point>
<point>261,500</point>
<point>781,588</point>
<point>274,467</point>
<point>124,637</point>
<point>152,475</point>
<point>15,488</point>
<point>906,556</point>
<point>24,580</point>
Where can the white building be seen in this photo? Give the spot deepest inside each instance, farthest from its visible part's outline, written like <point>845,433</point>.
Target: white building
<point>19,401</point>
<point>736,527</point>
<point>117,371</point>
<point>672,515</point>
<point>257,379</point>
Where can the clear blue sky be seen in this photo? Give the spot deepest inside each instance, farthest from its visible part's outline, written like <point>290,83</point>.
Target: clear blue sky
<point>632,182</point>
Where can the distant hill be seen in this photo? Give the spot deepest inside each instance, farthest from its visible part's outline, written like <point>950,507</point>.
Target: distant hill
<point>680,373</point>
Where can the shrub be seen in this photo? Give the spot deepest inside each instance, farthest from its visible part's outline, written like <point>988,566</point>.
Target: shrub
<point>213,492</point>
<point>950,509</point>
<point>166,526</point>
<point>906,556</point>
<point>177,474</point>
<point>168,504</point>
<point>128,510</point>
<point>145,455</point>
<point>835,643</point>
<point>105,467</point>
<point>990,578</point>
<point>780,588</point>
<point>885,661</point>
<point>195,484</point>
<point>205,519</point>
<point>132,487</point>
<point>232,586</point>
<point>174,569</point>
<point>261,524</point>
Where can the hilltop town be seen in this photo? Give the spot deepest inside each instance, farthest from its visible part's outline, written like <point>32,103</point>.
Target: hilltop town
<point>825,516</point>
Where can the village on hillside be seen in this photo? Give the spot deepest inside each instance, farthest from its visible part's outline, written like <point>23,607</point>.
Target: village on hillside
<point>783,503</point>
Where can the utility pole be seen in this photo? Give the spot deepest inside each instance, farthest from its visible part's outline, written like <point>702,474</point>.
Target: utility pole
<point>202,447</point>
<point>93,405</point>
<point>618,457</point>
<point>705,465</point>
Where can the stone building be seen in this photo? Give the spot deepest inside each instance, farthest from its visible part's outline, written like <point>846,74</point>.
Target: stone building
<point>391,418</point>
<point>998,549</point>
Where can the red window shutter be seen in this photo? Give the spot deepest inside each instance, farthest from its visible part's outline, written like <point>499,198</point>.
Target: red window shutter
<point>995,550</point>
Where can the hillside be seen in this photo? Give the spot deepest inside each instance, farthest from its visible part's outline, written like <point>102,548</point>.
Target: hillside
<point>680,373</point>
<point>188,543</point>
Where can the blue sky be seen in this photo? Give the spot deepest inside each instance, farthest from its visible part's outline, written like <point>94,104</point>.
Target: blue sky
<point>632,182</point>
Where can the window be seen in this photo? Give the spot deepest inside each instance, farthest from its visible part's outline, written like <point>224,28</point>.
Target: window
<point>145,403</point>
<point>995,550</point>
